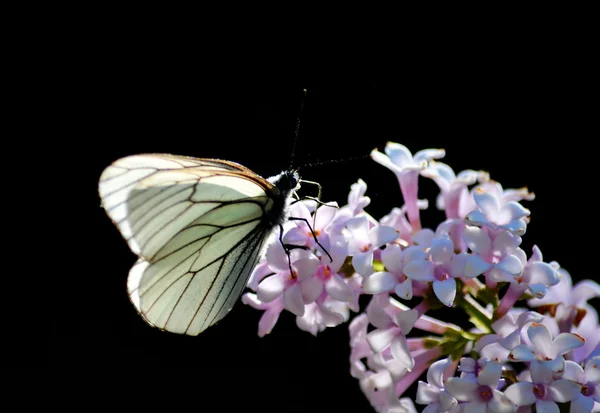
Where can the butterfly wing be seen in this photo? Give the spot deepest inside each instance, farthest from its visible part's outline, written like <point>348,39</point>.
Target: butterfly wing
<point>198,227</point>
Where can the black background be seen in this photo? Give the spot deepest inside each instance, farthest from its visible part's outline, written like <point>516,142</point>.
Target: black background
<point>528,121</point>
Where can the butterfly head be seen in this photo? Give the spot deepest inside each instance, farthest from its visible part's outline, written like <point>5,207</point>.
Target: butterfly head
<point>287,182</point>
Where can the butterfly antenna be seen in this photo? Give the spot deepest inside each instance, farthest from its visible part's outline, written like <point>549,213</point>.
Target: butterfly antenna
<point>344,160</point>
<point>297,130</point>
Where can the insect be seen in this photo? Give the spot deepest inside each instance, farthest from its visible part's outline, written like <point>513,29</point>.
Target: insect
<point>198,227</point>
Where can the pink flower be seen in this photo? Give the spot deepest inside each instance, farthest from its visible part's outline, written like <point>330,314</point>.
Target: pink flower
<point>589,381</point>
<point>542,390</point>
<point>407,168</point>
<point>454,196</point>
<point>282,283</point>
<point>481,394</point>
<point>546,352</point>
<point>300,233</point>
<point>433,393</point>
<point>496,213</point>
<point>440,267</point>
<point>394,279</point>
<point>363,241</point>
<point>494,255</point>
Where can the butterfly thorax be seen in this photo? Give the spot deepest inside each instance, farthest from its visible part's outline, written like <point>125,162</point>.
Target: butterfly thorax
<point>284,186</point>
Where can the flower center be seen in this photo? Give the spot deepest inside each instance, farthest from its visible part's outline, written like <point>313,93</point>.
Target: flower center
<point>539,390</point>
<point>442,272</point>
<point>365,248</point>
<point>316,231</point>
<point>486,393</point>
<point>326,271</point>
<point>588,389</point>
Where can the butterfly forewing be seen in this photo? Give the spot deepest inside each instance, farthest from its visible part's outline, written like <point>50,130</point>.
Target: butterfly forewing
<point>198,227</point>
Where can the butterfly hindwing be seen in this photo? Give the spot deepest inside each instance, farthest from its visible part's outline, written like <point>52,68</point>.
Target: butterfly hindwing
<point>198,227</point>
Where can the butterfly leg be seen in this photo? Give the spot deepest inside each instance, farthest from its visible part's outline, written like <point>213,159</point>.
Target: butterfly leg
<point>313,234</point>
<point>286,249</point>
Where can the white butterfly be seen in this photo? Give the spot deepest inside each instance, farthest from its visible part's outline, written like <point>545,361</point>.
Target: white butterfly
<point>198,227</point>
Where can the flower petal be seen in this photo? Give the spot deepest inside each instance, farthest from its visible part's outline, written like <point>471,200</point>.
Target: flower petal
<point>442,249</point>
<point>582,404</point>
<point>363,263</point>
<point>384,160</point>
<point>435,374</point>
<point>423,238</point>
<point>311,288</point>
<point>488,203</point>
<point>425,155</point>
<point>477,218</point>
<point>522,353</point>
<point>292,300</point>
<point>447,402</point>
<point>462,389</point>
<point>305,267</point>
<point>564,390</point>
<point>565,342</point>
<point>420,270</point>
<point>406,320</point>
<point>475,265</point>
<point>338,289</point>
<point>475,406</point>
<point>277,258</point>
<point>505,243</point>
<point>401,353</point>
<point>510,265</point>
<point>513,210</point>
<point>377,315</point>
<point>521,393</point>
<point>404,290</point>
<point>325,214</point>
<point>268,320</point>
<point>399,154</point>
<point>270,288</point>
<point>296,236</point>
<point>542,273</point>
<point>477,240</point>
<point>379,282</point>
<point>490,374</point>
<point>592,370</point>
<point>392,258</point>
<point>382,235</point>
<point>445,291</point>
<point>359,230</point>
<point>380,338</point>
<point>541,339</point>
<point>426,393</point>
<point>517,226</point>
<point>500,403</point>
<point>546,406</point>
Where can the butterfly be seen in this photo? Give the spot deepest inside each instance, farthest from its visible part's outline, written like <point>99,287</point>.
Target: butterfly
<point>198,227</point>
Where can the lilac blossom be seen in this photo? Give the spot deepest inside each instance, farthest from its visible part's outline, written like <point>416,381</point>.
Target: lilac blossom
<point>454,197</point>
<point>588,379</point>
<point>542,390</point>
<point>494,255</point>
<point>481,394</point>
<point>440,266</point>
<point>496,212</point>
<point>407,167</point>
<point>364,241</point>
<point>433,394</point>
<point>545,352</point>
<point>364,266</point>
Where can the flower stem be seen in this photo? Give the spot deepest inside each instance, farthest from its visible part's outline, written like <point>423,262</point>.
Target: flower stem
<point>480,317</point>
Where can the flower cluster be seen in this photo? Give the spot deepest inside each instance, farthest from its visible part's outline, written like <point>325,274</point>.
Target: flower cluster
<point>508,359</point>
